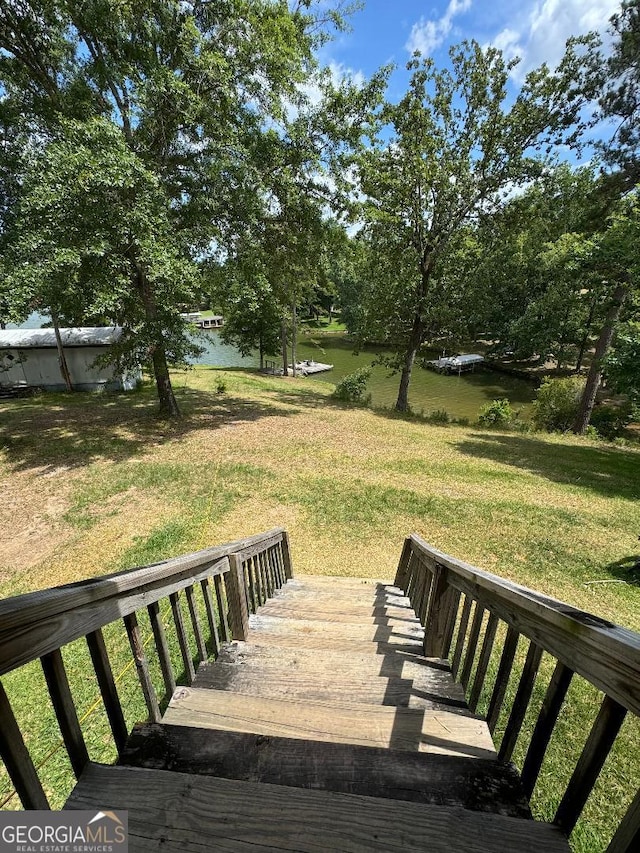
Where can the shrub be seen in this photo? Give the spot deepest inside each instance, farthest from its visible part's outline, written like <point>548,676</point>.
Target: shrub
<point>556,404</point>
<point>498,413</point>
<point>221,386</point>
<point>351,388</point>
<point>440,416</point>
<point>610,421</point>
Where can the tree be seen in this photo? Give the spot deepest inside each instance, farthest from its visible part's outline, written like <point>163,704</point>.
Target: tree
<point>622,363</point>
<point>93,238</point>
<point>616,261</point>
<point>189,87</point>
<point>454,148</point>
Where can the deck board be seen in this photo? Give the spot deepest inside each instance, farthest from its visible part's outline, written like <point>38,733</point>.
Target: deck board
<point>412,729</point>
<point>172,811</point>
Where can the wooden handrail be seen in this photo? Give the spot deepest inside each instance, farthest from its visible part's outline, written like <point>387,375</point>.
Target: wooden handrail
<point>36,623</point>
<point>605,654</point>
<point>445,592</point>
<point>243,574</point>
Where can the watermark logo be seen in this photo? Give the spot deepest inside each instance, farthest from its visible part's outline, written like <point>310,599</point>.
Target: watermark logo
<point>64,832</point>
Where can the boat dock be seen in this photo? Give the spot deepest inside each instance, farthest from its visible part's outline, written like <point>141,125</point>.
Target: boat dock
<point>455,363</point>
<point>303,368</point>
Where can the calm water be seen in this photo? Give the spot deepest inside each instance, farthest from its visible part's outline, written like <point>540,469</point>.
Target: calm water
<point>461,396</point>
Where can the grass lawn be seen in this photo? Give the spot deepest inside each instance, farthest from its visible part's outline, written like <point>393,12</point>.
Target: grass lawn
<point>94,483</point>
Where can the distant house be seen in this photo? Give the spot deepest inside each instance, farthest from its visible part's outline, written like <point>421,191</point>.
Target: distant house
<point>29,358</point>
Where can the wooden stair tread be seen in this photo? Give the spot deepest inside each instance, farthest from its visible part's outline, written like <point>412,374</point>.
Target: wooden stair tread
<point>183,812</point>
<point>472,783</point>
<point>319,629</point>
<point>396,662</point>
<point>322,684</point>
<point>344,614</point>
<point>412,729</point>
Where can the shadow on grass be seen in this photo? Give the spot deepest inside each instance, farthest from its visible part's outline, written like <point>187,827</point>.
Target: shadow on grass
<point>610,471</point>
<point>627,569</point>
<point>71,430</point>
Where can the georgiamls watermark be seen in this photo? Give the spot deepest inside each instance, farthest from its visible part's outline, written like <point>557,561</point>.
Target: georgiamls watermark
<point>64,832</point>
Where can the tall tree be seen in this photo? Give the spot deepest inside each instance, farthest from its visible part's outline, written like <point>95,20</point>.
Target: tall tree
<point>455,146</point>
<point>189,86</point>
<point>616,260</point>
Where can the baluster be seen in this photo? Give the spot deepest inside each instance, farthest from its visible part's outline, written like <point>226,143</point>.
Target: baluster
<point>627,837</point>
<point>556,692</point>
<point>476,625</point>
<point>462,634</point>
<point>521,702</point>
<point>107,685</point>
<point>603,733</point>
<point>162,648</point>
<point>181,634</point>
<point>211,615</point>
<point>195,621</point>
<point>64,706</point>
<point>222,607</point>
<point>142,665</point>
<point>17,759</point>
<point>502,678</point>
<point>483,662</point>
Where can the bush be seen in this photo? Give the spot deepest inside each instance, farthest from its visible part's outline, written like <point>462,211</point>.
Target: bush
<point>498,413</point>
<point>609,421</point>
<point>440,416</point>
<point>221,386</point>
<point>556,404</point>
<point>351,388</point>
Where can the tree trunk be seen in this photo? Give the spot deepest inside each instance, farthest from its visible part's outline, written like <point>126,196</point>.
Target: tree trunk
<point>62,359</point>
<point>261,350</point>
<point>402,403</point>
<point>168,404</point>
<point>294,332</point>
<point>595,371</point>
<point>283,336</point>
<point>417,330</point>
<point>585,337</point>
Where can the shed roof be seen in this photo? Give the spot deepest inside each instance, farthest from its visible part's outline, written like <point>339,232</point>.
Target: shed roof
<point>45,338</point>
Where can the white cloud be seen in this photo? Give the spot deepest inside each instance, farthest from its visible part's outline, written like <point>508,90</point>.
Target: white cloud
<point>426,36</point>
<point>541,33</point>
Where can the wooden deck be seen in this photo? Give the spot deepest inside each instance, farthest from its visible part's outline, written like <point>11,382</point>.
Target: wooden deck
<point>326,729</point>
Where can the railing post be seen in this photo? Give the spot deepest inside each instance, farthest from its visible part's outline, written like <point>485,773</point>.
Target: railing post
<point>238,611</point>
<point>438,615</point>
<point>286,556</point>
<point>403,565</point>
<point>17,759</point>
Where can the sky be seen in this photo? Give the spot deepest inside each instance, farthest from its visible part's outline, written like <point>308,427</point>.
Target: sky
<point>388,31</point>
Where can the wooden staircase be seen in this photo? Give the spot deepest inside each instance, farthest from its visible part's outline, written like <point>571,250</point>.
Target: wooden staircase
<point>325,714</point>
<point>326,730</point>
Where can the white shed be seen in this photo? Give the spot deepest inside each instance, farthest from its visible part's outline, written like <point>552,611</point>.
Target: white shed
<point>29,358</point>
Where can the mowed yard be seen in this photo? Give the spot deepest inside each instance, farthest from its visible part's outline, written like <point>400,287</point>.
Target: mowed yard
<point>95,483</point>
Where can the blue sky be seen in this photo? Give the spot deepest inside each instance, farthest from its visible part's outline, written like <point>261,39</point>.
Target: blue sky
<point>388,30</point>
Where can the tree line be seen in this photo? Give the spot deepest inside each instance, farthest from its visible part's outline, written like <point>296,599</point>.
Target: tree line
<point>158,154</point>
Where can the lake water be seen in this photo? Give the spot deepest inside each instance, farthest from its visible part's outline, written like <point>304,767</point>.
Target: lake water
<point>461,396</point>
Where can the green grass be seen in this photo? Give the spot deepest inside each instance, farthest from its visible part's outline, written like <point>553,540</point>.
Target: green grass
<point>95,483</point>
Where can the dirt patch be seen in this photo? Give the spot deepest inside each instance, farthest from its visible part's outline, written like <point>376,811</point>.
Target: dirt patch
<point>31,513</point>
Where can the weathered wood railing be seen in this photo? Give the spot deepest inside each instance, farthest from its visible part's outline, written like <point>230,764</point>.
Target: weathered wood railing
<point>452,600</point>
<point>241,575</point>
